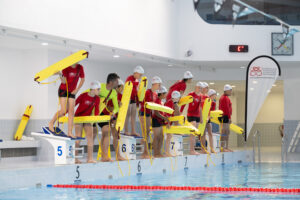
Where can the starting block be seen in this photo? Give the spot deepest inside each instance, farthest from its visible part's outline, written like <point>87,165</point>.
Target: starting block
<point>56,148</point>
<point>216,142</point>
<point>176,145</point>
<point>127,147</point>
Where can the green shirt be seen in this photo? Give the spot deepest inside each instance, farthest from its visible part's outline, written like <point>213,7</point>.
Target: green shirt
<point>113,96</point>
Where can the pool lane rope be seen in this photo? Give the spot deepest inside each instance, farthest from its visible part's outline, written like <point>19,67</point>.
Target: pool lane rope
<point>182,188</point>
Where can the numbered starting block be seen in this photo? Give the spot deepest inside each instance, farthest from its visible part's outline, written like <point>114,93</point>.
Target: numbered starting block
<point>56,148</point>
<point>176,145</point>
<point>127,147</point>
<point>216,142</point>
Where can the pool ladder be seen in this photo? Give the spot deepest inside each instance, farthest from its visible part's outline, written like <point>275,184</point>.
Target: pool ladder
<point>256,135</point>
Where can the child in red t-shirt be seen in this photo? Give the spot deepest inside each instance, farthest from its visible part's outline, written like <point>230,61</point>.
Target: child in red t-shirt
<point>131,113</point>
<point>158,120</point>
<point>67,91</point>
<point>212,94</point>
<point>180,85</point>
<point>150,96</point>
<point>172,103</point>
<point>87,102</point>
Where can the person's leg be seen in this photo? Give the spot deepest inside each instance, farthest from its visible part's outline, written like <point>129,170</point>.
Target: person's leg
<point>224,137</point>
<point>63,110</point>
<point>78,132</point>
<point>126,127</point>
<point>227,139</point>
<point>160,141</point>
<point>71,105</point>
<point>203,142</point>
<point>132,120</point>
<point>193,140</point>
<point>168,142</point>
<point>88,128</point>
<point>115,143</point>
<point>145,154</point>
<point>156,132</point>
<point>105,143</point>
<point>210,137</point>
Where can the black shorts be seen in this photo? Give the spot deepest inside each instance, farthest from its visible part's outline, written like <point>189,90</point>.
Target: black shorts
<point>192,119</point>
<point>224,119</point>
<point>142,114</point>
<point>156,123</point>
<point>101,124</point>
<point>132,101</point>
<point>64,93</point>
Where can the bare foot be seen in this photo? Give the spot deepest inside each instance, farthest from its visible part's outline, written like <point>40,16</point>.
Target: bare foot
<point>194,153</point>
<point>71,135</point>
<point>145,156</point>
<point>120,158</point>
<point>167,154</point>
<point>91,161</point>
<point>229,150</point>
<point>106,160</point>
<point>50,125</point>
<point>77,161</point>
<point>212,151</point>
<point>135,134</point>
<point>127,133</point>
<point>203,152</point>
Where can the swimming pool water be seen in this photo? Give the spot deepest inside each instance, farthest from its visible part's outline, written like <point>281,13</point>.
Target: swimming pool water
<point>241,175</point>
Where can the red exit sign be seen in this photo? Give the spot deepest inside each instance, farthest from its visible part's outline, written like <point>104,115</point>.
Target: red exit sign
<point>238,48</point>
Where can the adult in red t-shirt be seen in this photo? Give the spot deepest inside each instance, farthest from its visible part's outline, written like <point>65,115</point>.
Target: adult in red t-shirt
<point>194,114</point>
<point>87,102</point>
<point>150,96</point>
<point>172,103</point>
<point>131,113</point>
<point>66,93</point>
<point>180,86</point>
<point>110,107</point>
<point>158,120</point>
<point>226,106</point>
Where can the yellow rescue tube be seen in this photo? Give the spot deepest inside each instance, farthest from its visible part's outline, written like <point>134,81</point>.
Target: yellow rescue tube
<point>185,100</point>
<point>60,65</point>
<point>124,106</point>
<point>158,107</point>
<point>216,114</point>
<point>205,112</point>
<point>142,88</point>
<point>233,127</point>
<point>180,119</point>
<point>23,123</point>
<point>86,119</point>
<point>184,130</point>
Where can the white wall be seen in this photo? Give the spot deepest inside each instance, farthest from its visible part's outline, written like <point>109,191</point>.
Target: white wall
<point>138,25</point>
<point>17,86</point>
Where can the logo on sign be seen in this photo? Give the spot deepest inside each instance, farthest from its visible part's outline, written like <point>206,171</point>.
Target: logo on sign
<point>256,71</point>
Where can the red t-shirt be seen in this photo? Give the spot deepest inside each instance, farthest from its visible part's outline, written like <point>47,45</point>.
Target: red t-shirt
<point>194,107</point>
<point>158,101</point>
<point>149,97</point>
<point>135,83</point>
<point>213,106</point>
<point>87,104</point>
<point>111,105</point>
<point>225,105</point>
<point>203,97</point>
<point>72,75</point>
<point>179,86</point>
<point>169,104</point>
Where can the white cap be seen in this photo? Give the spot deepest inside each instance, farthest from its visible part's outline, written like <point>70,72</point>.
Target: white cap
<point>120,82</point>
<point>227,87</point>
<point>204,85</point>
<point>163,89</point>
<point>95,85</point>
<point>139,69</point>
<point>156,79</point>
<point>211,92</point>
<point>199,84</point>
<point>175,95</point>
<point>188,75</point>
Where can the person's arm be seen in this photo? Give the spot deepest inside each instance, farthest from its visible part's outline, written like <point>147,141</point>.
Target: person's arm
<point>157,113</point>
<point>182,108</point>
<point>176,109</point>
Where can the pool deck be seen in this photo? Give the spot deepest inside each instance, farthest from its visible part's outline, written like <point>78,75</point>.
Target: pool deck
<point>32,174</point>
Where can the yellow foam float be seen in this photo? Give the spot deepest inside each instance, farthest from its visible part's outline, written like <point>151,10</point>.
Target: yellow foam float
<point>185,100</point>
<point>86,119</point>
<point>142,88</point>
<point>23,123</point>
<point>158,107</point>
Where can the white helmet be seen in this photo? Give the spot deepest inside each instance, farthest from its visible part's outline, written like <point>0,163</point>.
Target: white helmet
<point>156,79</point>
<point>120,82</point>
<point>139,69</point>
<point>227,87</point>
<point>175,95</point>
<point>95,85</point>
<point>211,92</point>
<point>187,75</point>
<point>204,84</point>
<point>199,84</point>
<point>163,89</point>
